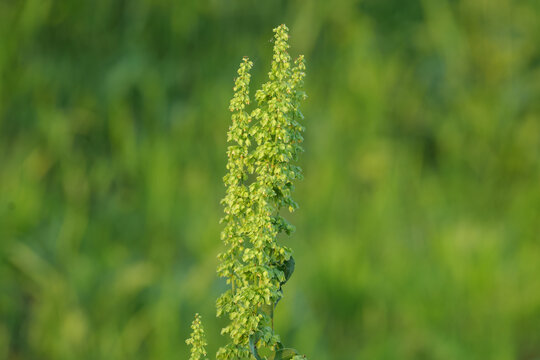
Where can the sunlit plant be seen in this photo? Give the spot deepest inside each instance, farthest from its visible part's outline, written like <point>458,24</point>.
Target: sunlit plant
<point>265,143</point>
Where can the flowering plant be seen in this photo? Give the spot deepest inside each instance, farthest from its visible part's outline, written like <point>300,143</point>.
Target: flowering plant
<point>265,143</point>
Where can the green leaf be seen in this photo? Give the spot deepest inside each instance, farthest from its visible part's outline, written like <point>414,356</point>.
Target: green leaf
<point>288,268</point>
<point>284,354</point>
<point>267,309</point>
<point>253,339</point>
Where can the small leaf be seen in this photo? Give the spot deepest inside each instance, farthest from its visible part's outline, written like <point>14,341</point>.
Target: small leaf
<point>267,309</point>
<point>284,354</point>
<point>288,268</point>
<point>253,339</point>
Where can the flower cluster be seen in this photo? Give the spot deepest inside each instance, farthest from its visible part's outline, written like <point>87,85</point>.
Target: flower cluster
<point>197,340</point>
<point>265,143</point>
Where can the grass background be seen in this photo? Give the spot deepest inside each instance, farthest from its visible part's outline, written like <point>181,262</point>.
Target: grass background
<point>418,229</point>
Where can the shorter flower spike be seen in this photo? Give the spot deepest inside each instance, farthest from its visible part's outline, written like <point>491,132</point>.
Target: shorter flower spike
<point>197,340</point>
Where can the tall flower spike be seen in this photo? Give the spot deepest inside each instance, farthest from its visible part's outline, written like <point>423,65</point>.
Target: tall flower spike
<point>265,143</point>
<point>237,205</point>
<point>236,199</point>
<point>277,135</point>
<point>197,340</point>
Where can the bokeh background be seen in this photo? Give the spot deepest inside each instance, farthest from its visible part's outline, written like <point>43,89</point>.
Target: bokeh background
<point>418,230</point>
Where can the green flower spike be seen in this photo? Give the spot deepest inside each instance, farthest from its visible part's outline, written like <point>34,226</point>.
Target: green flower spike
<point>265,143</point>
<point>197,340</point>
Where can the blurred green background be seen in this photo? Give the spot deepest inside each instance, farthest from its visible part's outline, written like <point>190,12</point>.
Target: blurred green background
<point>418,229</point>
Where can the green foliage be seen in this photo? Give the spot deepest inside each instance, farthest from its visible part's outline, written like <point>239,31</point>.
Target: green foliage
<point>418,230</point>
<point>261,172</point>
<point>197,340</point>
